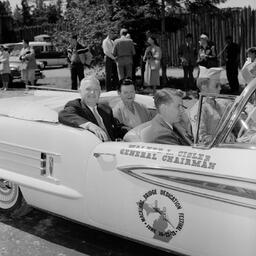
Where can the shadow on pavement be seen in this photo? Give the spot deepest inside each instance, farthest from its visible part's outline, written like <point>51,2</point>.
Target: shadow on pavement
<point>77,237</point>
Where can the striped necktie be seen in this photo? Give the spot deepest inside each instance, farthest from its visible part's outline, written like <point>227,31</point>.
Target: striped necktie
<point>100,121</point>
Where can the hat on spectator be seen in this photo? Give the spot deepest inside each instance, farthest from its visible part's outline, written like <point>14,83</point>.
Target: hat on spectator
<point>203,36</point>
<point>209,73</point>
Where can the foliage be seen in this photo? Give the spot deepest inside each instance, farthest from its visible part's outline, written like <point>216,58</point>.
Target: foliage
<point>25,10</point>
<point>5,8</point>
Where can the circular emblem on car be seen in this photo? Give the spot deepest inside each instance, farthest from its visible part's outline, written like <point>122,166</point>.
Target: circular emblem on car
<point>161,213</point>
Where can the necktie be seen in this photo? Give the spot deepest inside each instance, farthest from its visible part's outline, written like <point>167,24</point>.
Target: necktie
<point>99,120</point>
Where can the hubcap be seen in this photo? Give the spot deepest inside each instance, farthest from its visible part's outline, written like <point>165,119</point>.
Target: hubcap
<point>8,194</point>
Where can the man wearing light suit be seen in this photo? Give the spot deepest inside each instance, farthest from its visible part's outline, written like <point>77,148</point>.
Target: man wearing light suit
<point>86,113</point>
<point>123,51</point>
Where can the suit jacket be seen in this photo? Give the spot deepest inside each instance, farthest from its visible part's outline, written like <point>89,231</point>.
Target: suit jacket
<point>74,114</point>
<point>161,132</point>
<point>124,50</point>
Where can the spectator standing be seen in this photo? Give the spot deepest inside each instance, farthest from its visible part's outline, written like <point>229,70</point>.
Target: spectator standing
<point>77,60</point>
<point>4,67</point>
<point>152,56</point>
<point>111,78</point>
<point>123,52</point>
<point>248,70</point>
<point>207,54</point>
<point>187,54</point>
<point>232,52</point>
<point>28,63</point>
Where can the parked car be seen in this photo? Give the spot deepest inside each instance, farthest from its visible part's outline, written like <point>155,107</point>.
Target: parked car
<point>14,50</point>
<point>193,200</point>
<point>46,54</point>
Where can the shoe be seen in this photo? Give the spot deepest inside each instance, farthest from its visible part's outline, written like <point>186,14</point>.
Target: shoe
<point>187,98</point>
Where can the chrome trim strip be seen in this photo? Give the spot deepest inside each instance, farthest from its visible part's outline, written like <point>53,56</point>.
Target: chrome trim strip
<point>164,168</point>
<point>238,146</point>
<point>19,154</point>
<point>210,185</point>
<point>28,148</point>
<point>128,170</point>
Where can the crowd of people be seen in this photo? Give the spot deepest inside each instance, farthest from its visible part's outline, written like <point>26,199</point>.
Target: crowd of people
<point>170,123</point>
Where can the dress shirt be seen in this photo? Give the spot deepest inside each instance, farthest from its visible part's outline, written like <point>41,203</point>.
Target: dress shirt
<point>107,46</point>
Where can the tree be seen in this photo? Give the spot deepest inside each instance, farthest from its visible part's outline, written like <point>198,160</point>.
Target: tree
<point>5,8</point>
<point>92,19</point>
<point>17,17</point>
<point>25,10</point>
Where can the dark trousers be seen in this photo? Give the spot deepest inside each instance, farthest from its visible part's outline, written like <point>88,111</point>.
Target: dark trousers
<point>77,71</point>
<point>188,77</point>
<point>232,75</point>
<point>111,79</point>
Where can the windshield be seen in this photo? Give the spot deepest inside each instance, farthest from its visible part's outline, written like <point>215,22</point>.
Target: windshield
<point>207,115</point>
<point>245,127</point>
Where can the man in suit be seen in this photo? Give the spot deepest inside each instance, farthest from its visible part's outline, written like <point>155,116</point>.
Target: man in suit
<point>232,54</point>
<point>163,129</point>
<point>187,55</point>
<point>88,114</point>
<point>123,51</point>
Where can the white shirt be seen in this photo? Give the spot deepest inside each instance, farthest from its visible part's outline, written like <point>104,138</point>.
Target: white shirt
<point>85,125</point>
<point>107,46</point>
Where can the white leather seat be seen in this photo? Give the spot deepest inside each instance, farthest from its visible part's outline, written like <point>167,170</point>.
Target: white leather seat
<point>139,133</point>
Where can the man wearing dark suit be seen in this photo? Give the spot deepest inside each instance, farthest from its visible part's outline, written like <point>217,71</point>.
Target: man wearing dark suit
<point>76,59</point>
<point>123,51</point>
<point>163,128</point>
<point>88,114</point>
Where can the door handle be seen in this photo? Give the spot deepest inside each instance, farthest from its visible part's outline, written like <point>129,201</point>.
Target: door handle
<point>103,154</point>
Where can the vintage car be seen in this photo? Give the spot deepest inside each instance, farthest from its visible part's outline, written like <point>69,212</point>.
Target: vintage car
<point>192,200</point>
<point>15,63</point>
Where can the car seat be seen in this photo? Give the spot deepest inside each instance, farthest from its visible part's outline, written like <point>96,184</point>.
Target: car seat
<point>139,133</point>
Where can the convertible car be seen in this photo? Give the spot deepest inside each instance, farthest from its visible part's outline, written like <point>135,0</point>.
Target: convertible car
<point>197,200</point>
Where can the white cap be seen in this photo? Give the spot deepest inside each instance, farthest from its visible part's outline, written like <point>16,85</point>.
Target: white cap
<point>203,36</point>
<point>209,73</point>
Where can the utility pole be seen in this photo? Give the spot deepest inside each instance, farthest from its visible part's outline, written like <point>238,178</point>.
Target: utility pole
<point>163,44</point>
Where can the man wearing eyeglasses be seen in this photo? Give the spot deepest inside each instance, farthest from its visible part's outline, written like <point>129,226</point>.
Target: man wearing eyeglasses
<point>89,114</point>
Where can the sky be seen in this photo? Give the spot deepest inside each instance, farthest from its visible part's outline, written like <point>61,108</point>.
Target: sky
<point>229,3</point>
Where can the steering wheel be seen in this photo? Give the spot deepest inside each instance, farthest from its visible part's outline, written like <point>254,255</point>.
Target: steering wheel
<point>246,122</point>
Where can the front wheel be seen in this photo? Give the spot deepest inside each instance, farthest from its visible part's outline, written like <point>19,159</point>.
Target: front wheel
<point>12,202</point>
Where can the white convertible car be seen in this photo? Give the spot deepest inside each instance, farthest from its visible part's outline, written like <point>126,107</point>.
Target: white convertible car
<point>197,200</point>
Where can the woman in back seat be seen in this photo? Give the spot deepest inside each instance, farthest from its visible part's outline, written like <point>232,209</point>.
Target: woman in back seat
<point>127,111</point>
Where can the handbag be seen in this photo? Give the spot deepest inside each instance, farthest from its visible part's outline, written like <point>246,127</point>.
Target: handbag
<point>154,64</point>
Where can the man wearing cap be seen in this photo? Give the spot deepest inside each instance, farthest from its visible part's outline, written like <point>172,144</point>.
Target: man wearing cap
<point>212,110</point>
<point>90,115</point>
<point>123,52</point>
<point>207,54</point>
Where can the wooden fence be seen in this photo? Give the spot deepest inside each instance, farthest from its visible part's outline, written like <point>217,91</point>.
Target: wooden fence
<point>239,23</point>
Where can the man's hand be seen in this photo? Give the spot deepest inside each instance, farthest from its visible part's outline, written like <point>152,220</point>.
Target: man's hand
<point>97,131</point>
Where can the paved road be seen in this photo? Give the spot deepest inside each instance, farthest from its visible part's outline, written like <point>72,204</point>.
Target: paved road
<point>42,234</point>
